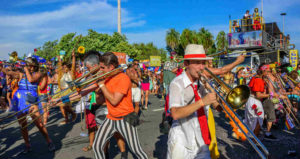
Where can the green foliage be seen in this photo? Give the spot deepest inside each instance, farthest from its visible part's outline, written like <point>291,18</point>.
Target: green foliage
<point>147,50</point>
<point>172,39</point>
<point>222,43</point>
<point>48,50</point>
<point>202,36</point>
<point>99,42</point>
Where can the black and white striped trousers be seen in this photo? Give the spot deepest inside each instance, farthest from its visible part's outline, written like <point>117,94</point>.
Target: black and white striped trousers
<point>106,131</point>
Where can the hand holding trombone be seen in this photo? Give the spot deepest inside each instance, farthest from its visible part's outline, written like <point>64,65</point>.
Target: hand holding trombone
<point>234,98</point>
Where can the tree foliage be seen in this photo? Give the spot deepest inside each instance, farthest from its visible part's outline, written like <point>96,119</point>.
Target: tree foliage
<point>202,36</point>
<point>221,41</point>
<point>172,39</point>
<point>99,42</point>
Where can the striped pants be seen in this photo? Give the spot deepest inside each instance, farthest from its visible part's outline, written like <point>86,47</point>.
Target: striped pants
<point>106,131</point>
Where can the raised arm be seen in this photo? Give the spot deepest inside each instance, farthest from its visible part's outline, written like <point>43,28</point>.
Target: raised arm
<point>73,65</point>
<point>32,78</point>
<point>227,68</point>
<point>11,73</point>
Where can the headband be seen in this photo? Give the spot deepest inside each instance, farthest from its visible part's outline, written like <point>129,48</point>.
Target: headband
<point>264,67</point>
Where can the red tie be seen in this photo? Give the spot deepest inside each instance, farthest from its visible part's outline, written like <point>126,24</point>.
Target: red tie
<point>202,119</point>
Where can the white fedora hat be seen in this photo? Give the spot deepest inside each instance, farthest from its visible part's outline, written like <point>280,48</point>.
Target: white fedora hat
<point>195,52</point>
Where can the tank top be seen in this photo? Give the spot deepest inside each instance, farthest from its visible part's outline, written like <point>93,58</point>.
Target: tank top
<point>63,81</point>
<point>145,78</point>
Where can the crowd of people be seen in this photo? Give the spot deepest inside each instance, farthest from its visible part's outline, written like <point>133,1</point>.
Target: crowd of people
<point>114,101</point>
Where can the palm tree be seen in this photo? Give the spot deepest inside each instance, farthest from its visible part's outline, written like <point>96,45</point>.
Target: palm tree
<point>172,39</point>
<point>188,37</point>
<point>206,39</point>
<point>222,42</point>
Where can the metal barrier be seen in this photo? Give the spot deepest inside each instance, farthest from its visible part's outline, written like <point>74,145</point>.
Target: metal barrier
<point>245,25</point>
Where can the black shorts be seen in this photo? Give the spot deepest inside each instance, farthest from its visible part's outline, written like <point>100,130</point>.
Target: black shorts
<point>269,110</point>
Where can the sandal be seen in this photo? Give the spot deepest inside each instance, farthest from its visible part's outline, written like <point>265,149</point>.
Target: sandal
<point>63,122</point>
<point>86,149</point>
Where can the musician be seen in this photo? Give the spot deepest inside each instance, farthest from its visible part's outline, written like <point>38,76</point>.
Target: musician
<point>117,93</point>
<point>135,80</point>
<point>264,91</point>
<point>66,73</point>
<point>26,96</point>
<point>190,135</point>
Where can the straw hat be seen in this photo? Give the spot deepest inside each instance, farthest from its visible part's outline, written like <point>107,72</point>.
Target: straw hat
<point>195,52</point>
<point>239,68</point>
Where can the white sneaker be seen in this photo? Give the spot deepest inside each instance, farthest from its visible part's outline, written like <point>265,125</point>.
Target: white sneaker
<point>29,118</point>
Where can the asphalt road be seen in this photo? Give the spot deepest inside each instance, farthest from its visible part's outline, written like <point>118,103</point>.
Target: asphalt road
<point>69,143</point>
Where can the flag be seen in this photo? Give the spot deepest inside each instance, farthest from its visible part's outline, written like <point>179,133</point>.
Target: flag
<point>288,123</point>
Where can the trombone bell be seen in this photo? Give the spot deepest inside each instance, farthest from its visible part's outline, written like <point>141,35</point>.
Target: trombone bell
<point>238,96</point>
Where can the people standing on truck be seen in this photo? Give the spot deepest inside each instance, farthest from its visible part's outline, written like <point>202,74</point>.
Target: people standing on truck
<point>247,21</point>
<point>236,27</point>
<point>256,20</point>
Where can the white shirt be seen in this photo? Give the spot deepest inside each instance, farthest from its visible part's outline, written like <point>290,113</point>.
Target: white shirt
<point>65,78</point>
<point>187,129</point>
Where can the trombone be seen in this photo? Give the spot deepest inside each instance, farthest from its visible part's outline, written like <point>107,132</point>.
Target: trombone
<point>76,86</point>
<point>235,98</point>
<point>286,102</point>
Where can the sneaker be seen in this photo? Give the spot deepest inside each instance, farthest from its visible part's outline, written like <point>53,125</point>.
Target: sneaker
<point>270,138</point>
<point>27,149</point>
<point>51,147</point>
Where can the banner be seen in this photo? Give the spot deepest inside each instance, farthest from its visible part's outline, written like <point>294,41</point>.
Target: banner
<point>121,57</point>
<point>245,39</point>
<point>155,60</point>
<point>294,58</point>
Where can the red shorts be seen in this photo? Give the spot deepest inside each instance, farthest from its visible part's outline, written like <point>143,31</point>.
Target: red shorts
<point>90,119</point>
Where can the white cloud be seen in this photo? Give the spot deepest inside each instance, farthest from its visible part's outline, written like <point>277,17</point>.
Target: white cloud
<point>6,48</point>
<point>37,28</point>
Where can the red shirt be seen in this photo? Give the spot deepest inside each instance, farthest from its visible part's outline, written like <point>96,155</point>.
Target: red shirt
<point>77,75</point>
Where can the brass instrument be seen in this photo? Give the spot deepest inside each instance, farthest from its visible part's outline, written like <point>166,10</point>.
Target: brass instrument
<point>70,91</point>
<point>235,98</point>
<point>286,102</point>
<point>276,89</point>
<point>280,80</point>
<point>13,57</point>
<point>291,79</point>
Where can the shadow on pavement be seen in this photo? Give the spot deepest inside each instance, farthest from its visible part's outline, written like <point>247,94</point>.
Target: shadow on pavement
<point>39,146</point>
<point>161,147</point>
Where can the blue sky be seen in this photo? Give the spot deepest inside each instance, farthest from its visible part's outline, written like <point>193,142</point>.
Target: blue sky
<point>27,24</point>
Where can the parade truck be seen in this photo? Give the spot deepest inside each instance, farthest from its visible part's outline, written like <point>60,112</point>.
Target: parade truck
<point>256,36</point>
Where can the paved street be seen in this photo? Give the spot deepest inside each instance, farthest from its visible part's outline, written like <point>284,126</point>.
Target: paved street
<point>69,143</point>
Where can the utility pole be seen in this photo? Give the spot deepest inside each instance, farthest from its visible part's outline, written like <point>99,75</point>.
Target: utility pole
<point>119,16</point>
<point>283,14</point>
<point>262,8</point>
